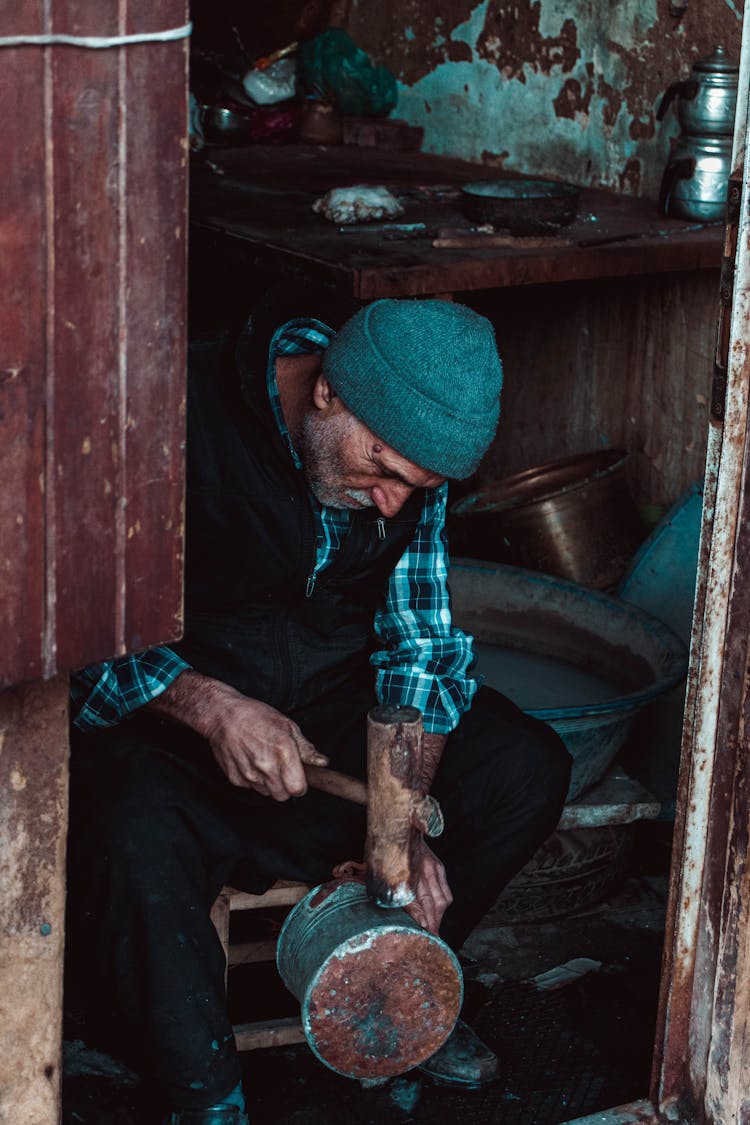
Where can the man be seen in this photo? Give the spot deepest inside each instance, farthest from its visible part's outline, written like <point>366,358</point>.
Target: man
<point>318,456</point>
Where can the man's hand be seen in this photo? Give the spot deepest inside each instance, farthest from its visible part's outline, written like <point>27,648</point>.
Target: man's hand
<point>433,893</point>
<point>255,745</point>
<point>258,747</point>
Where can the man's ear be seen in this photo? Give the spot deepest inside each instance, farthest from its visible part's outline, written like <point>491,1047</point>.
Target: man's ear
<point>323,393</point>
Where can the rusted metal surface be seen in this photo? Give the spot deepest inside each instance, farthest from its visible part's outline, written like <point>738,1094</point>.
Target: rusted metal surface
<point>726,890</point>
<point>92,349</point>
<point>379,994</point>
<point>538,87</point>
<point>33,823</point>
<point>703,1027</point>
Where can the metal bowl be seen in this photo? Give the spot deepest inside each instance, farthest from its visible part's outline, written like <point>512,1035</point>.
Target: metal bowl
<point>583,661</point>
<point>223,125</point>
<point>521,206</point>
<point>574,517</point>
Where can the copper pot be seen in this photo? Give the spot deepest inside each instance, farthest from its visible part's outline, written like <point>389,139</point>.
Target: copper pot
<point>574,518</point>
<point>321,124</point>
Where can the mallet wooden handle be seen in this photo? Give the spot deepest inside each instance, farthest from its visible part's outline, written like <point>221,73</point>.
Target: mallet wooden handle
<point>338,784</point>
<point>426,813</point>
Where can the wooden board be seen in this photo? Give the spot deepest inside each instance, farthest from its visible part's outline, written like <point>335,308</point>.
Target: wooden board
<point>23,389</point>
<point>624,362</point>
<point>257,210</point>
<point>92,352</point>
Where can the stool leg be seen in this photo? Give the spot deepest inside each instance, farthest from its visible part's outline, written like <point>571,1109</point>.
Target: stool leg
<point>220,913</point>
<point>260,1033</point>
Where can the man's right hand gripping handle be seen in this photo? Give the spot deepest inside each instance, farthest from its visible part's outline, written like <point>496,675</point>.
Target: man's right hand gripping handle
<point>255,745</point>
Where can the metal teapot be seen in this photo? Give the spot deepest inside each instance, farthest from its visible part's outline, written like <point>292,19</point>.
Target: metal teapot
<point>694,184</point>
<point>708,98</point>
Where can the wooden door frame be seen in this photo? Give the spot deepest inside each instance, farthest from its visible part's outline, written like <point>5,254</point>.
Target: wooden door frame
<point>700,1069</point>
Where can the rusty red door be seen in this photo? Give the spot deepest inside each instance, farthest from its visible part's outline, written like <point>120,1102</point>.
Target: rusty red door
<point>92,357</point>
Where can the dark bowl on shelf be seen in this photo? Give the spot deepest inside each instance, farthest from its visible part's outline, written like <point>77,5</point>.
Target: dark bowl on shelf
<point>225,125</point>
<point>521,206</point>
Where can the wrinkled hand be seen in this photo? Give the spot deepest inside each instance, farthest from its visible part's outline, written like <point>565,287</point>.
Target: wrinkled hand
<point>259,748</point>
<point>433,893</point>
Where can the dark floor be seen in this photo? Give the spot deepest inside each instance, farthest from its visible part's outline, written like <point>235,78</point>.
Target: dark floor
<point>567,1051</point>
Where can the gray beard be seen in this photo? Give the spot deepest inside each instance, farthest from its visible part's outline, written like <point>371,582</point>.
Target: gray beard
<point>320,449</point>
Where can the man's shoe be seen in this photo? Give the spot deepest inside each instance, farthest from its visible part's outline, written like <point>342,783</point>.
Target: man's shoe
<point>463,1060</point>
<point>216,1115</point>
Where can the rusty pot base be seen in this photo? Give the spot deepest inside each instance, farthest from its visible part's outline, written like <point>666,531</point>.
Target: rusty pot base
<point>378,994</point>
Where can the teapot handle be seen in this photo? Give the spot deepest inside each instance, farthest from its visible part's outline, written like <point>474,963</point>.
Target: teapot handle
<point>687,89</point>
<point>675,170</point>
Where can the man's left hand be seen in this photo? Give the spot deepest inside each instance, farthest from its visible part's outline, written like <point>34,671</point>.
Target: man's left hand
<point>433,893</point>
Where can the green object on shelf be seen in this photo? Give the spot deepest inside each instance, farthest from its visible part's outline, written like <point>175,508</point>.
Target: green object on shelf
<point>333,67</point>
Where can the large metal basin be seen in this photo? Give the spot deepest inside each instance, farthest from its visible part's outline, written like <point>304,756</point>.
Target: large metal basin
<point>583,661</point>
<point>574,518</point>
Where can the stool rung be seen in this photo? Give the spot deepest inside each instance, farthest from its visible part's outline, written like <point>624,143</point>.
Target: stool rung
<point>280,894</point>
<point>247,952</point>
<point>268,1033</point>
<point>259,1033</point>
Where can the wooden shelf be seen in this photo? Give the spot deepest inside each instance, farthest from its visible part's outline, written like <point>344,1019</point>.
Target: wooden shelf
<point>256,210</point>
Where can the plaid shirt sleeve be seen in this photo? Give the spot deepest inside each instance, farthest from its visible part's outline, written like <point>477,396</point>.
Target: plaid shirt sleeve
<point>424,661</point>
<point>108,692</point>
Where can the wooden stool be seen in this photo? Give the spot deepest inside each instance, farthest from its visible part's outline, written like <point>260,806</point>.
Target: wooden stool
<point>261,1033</point>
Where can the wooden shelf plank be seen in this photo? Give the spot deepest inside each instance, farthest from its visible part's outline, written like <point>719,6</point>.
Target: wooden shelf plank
<point>256,214</point>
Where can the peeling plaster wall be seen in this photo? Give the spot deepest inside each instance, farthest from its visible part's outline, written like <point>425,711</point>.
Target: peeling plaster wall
<point>566,88</point>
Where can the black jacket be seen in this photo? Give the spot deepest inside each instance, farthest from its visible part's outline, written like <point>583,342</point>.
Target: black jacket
<point>250,617</point>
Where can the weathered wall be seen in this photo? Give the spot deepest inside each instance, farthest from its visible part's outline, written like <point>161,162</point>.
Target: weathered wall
<point>567,88</point>
<point>626,362</point>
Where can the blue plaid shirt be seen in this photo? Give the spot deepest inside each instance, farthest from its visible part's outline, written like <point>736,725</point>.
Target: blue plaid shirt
<point>424,660</point>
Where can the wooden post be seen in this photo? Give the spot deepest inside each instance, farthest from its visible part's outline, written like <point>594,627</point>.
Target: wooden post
<point>92,366</point>
<point>33,826</point>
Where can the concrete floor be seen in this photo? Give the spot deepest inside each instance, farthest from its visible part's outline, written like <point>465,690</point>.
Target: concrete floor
<point>564,1051</point>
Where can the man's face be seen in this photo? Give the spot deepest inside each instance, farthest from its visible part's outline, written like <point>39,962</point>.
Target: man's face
<point>347,466</point>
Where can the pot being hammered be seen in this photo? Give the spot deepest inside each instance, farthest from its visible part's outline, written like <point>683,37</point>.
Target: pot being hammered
<point>378,994</point>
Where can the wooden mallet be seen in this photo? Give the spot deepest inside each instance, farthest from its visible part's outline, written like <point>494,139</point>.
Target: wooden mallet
<point>397,810</point>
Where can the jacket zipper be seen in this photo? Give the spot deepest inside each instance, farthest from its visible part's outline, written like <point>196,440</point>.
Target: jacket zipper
<point>312,576</point>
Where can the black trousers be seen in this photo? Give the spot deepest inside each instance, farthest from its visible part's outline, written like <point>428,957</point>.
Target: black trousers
<point>157,830</point>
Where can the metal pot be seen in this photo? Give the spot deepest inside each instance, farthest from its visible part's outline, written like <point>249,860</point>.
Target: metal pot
<point>322,124</point>
<point>582,661</point>
<point>574,518</point>
<point>223,125</point>
<point>695,180</point>
<point>378,993</point>
<point>521,206</point>
<point>708,98</point>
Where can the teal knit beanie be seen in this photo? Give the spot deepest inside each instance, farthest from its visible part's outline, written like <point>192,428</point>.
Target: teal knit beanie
<point>424,376</point>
